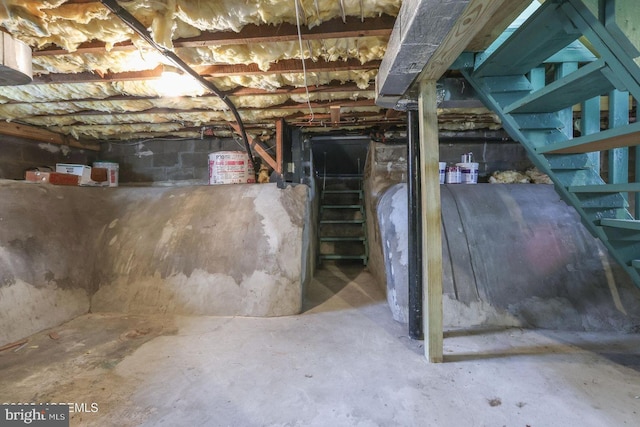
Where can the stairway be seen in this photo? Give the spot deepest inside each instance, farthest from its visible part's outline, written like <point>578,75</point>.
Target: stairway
<point>342,233</point>
<point>536,77</point>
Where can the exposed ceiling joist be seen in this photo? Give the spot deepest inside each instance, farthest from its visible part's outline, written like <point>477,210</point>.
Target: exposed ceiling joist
<point>333,29</point>
<point>284,66</point>
<point>43,135</point>
<point>287,105</point>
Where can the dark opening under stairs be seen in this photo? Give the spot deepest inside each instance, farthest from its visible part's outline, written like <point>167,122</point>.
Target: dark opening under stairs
<point>342,232</point>
<point>546,87</point>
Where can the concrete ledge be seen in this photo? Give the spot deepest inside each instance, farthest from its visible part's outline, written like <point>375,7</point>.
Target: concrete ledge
<point>208,250</point>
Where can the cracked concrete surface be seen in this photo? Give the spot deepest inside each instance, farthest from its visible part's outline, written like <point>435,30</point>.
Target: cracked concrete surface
<point>343,362</point>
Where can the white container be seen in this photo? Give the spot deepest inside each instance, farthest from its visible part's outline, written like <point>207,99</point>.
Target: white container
<point>453,175</point>
<point>230,167</point>
<point>113,171</point>
<point>83,171</point>
<point>466,158</point>
<point>469,172</point>
<point>442,166</point>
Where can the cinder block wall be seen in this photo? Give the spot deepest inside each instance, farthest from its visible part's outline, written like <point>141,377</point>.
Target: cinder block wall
<point>166,160</point>
<point>18,155</point>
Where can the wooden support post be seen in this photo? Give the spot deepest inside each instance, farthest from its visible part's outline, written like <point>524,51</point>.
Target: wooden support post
<point>431,222</point>
<point>280,127</point>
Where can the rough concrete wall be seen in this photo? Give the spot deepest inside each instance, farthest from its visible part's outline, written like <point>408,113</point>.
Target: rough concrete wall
<point>223,250</point>
<point>48,248</point>
<point>513,255</point>
<point>214,250</point>
<point>386,165</point>
<point>166,160</point>
<point>18,155</point>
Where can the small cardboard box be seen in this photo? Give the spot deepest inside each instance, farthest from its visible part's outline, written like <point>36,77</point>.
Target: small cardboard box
<point>52,178</point>
<point>83,171</point>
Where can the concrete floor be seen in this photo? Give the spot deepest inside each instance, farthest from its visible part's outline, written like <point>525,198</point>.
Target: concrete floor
<point>344,362</point>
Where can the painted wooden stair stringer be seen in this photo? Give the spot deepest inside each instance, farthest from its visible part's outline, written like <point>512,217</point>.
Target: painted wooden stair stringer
<point>529,115</point>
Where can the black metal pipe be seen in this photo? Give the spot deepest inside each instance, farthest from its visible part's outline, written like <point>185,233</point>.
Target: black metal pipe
<point>415,227</point>
<point>140,29</point>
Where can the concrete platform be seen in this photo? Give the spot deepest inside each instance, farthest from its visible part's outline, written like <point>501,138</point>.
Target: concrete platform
<point>343,362</point>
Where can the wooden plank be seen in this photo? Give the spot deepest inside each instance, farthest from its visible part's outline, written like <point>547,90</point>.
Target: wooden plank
<point>333,29</point>
<point>43,135</point>
<point>432,222</point>
<point>280,127</point>
<point>624,136</point>
<point>546,32</point>
<point>258,147</point>
<point>285,66</point>
<point>497,23</point>
<point>476,17</point>
<point>587,82</point>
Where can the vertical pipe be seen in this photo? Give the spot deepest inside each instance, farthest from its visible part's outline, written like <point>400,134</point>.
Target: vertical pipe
<point>415,227</point>
<point>431,222</point>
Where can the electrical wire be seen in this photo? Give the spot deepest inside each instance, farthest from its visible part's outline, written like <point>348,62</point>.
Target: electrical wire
<point>304,67</point>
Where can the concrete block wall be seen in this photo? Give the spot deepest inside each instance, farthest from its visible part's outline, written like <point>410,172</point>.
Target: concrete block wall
<point>166,160</point>
<point>18,155</point>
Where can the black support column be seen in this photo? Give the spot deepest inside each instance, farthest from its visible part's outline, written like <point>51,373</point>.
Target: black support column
<point>415,227</point>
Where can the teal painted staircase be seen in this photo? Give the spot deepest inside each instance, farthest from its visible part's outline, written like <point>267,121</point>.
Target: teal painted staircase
<point>342,229</point>
<point>546,87</point>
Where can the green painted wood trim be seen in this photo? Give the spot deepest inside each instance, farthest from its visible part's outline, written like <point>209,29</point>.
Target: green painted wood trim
<point>343,239</point>
<point>632,187</point>
<point>621,64</point>
<point>618,157</point>
<point>546,32</point>
<point>590,124</point>
<point>627,224</point>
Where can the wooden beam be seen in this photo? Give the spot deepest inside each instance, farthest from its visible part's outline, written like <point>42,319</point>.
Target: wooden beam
<point>284,66</point>
<point>476,17</point>
<point>431,222</point>
<point>496,25</point>
<point>42,135</point>
<point>87,77</point>
<point>280,127</point>
<point>258,147</point>
<point>335,115</point>
<point>332,29</point>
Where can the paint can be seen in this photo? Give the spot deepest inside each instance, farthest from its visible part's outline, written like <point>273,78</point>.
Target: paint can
<point>442,166</point>
<point>469,172</point>
<point>230,167</point>
<point>453,175</point>
<point>113,171</point>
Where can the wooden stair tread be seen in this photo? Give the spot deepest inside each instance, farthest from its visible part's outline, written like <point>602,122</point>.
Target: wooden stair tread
<point>586,82</point>
<point>622,136</point>
<point>541,36</point>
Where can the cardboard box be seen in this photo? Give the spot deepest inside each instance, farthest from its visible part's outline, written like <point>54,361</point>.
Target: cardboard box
<point>83,171</point>
<point>52,178</point>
